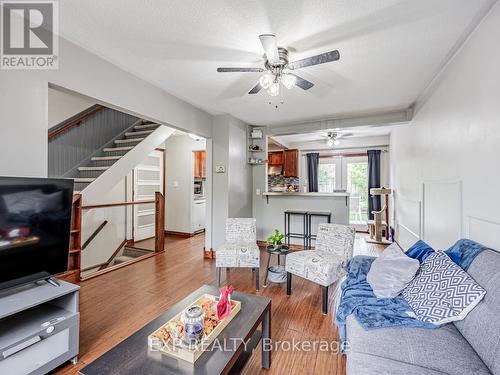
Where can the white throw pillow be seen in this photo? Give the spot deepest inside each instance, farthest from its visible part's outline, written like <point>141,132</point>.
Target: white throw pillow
<point>391,272</point>
<point>442,292</point>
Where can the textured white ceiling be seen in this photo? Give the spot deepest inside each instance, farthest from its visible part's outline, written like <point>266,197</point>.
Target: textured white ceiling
<point>390,49</point>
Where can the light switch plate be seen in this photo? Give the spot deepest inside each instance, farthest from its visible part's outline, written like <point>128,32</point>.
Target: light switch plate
<point>220,169</point>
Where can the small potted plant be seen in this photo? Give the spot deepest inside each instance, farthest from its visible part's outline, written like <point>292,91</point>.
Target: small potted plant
<point>275,241</point>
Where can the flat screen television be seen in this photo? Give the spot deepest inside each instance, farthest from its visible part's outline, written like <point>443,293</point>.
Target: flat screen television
<point>35,220</point>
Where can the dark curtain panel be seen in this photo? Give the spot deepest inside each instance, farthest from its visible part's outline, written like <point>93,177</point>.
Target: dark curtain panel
<point>374,203</point>
<point>313,171</point>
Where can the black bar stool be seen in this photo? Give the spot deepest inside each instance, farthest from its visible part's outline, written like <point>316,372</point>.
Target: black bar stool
<point>289,234</point>
<point>310,215</point>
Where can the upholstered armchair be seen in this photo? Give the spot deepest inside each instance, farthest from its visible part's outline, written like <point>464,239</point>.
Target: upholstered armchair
<point>240,249</point>
<point>325,264</point>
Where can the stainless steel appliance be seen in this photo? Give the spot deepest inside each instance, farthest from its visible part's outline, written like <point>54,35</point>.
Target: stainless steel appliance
<point>198,187</point>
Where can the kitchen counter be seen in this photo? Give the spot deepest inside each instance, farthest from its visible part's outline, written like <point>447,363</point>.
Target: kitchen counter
<point>309,194</point>
<point>269,210</point>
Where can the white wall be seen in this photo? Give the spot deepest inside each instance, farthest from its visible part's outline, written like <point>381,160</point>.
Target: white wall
<point>232,190</point>
<point>24,105</point>
<point>23,124</point>
<point>452,147</point>
<point>240,172</point>
<point>115,231</point>
<point>220,181</point>
<point>179,168</point>
<point>63,105</point>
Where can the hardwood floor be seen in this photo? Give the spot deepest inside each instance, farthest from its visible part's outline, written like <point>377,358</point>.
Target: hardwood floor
<point>115,305</point>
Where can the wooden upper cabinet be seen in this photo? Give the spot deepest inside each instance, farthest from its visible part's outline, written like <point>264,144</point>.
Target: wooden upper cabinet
<point>200,164</point>
<point>203,158</point>
<point>275,157</point>
<point>291,163</point>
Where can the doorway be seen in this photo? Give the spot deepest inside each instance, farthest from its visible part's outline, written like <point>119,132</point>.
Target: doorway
<point>350,173</point>
<point>355,172</point>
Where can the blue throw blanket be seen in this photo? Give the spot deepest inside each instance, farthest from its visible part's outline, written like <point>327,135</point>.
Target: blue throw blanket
<point>372,312</point>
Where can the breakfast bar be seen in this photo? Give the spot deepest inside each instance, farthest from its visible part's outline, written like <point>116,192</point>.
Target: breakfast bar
<point>275,204</point>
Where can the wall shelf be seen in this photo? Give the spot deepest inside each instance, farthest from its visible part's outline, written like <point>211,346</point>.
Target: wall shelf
<point>253,155</point>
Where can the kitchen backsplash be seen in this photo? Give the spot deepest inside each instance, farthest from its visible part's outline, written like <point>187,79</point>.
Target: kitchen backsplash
<point>275,182</point>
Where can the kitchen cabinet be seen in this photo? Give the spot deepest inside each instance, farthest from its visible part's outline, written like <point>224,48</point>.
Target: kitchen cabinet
<point>291,163</point>
<point>200,164</point>
<point>203,157</point>
<point>275,157</point>
<point>199,207</point>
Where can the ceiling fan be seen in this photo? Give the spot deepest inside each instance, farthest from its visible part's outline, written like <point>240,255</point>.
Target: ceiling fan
<point>278,69</point>
<point>333,137</point>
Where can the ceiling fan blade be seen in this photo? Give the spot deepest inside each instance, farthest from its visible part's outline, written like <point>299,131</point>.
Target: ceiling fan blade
<point>316,60</point>
<point>270,48</point>
<point>304,84</point>
<point>232,70</point>
<point>255,89</point>
<point>344,135</point>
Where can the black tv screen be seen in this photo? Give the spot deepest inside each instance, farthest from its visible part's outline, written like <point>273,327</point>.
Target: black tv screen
<point>35,220</point>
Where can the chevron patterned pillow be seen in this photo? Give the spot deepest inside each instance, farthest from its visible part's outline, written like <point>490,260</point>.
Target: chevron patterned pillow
<point>442,292</point>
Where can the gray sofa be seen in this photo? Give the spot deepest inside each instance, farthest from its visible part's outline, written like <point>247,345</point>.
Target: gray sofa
<point>470,346</point>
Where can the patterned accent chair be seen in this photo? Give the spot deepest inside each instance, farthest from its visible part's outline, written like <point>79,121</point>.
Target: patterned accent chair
<point>240,249</point>
<point>325,264</point>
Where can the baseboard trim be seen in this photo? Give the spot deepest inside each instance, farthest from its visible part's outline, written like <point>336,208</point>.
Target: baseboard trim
<point>178,234</point>
<point>208,253</point>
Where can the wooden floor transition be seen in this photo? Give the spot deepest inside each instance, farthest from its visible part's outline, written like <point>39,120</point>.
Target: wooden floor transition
<point>115,305</point>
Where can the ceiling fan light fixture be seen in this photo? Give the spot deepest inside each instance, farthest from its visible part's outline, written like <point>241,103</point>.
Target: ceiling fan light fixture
<point>288,80</point>
<point>336,142</point>
<point>278,68</point>
<point>266,81</point>
<point>330,142</point>
<point>274,89</point>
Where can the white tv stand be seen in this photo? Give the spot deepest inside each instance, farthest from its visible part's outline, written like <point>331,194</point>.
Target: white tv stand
<point>39,327</point>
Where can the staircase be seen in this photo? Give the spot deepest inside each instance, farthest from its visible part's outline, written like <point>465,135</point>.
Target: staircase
<point>129,253</point>
<point>110,154</point>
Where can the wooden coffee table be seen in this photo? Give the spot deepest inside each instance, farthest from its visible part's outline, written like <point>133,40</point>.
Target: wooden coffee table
<point>132,356</point>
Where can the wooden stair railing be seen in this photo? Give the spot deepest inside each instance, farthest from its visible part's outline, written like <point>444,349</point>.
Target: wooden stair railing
<point>75,249</point>
<point>77,121</point>
<point>113,256</point>
<point>159,202</point>
<point>94,235</point>
<point>159,222</point>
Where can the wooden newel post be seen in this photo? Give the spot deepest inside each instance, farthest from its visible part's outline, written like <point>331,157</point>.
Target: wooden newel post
<point>159,222</point>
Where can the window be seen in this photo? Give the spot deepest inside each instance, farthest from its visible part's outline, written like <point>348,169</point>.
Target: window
<point>326,180</point>
<point>348,173</point>
<point>357,185</point>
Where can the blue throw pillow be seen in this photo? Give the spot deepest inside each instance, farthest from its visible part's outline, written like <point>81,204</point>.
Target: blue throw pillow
<point>464,251</point>
<point>420,251</point>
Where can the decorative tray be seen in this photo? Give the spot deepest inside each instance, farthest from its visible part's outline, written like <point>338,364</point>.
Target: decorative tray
<point>162,339</point>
